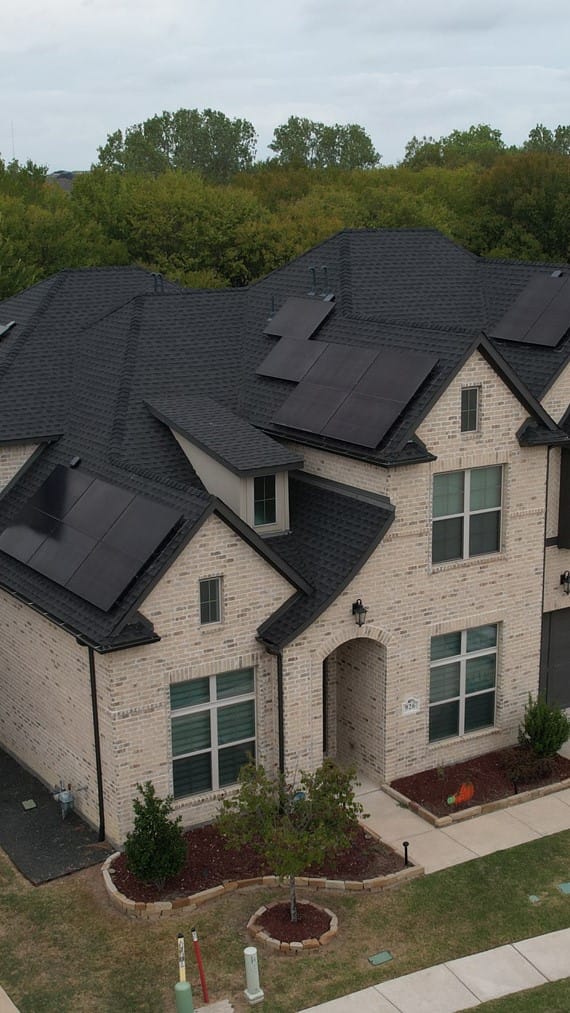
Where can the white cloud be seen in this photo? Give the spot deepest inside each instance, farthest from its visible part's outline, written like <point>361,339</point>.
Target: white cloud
<point>69,75</point>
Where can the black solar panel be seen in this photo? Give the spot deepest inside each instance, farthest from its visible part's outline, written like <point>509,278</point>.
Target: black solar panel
<point>341,366</point>
<point>290,359</point>
<point>60,491</point>
<point>541,313</point>
<point>396,375</point>
<point>26,535</point>
<point>95,512</point>
<point>141,528</point>
<point>61,553</point>
<point>107,534</point>
<point>309,407</point>
<point>363,420</point>
<point>103,576</point>
<point>298,318</point>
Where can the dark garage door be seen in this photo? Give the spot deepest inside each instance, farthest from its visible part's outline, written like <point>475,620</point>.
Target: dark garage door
<point>555,661</point>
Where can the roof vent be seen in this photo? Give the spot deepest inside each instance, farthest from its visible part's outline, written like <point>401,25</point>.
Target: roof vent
<point>74,462</point>
<point>272,310</point>
<point>313,289</point>
<point>556,274</point>
<point>4,328</point>
<point>158,281</point>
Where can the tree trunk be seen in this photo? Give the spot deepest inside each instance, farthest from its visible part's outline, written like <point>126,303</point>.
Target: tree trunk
<point>292,899</point>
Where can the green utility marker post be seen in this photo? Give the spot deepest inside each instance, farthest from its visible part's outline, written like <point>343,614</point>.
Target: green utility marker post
<point>182,988</point>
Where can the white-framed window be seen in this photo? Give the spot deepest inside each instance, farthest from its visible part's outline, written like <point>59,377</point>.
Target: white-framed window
<point>213,731</point>
<point>463,678</point>
<point>470,409</point>
<point>210,600</point>
<point>466,517</point>
<point>264,500</point>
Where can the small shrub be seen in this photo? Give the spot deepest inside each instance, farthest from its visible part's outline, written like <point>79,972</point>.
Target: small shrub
<point>545,727</point>
<point>155,849</point>
<point>524,766</point>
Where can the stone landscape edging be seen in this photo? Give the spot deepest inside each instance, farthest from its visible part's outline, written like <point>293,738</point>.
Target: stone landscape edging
<point>260,935</point>
<point>475,810</point>
<point>152,910</point>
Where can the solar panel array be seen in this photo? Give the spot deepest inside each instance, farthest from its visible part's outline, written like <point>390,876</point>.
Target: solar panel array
<point>541,313</point>
<point>354,394</point>
<point>87,535</point>
<point>299,318</point>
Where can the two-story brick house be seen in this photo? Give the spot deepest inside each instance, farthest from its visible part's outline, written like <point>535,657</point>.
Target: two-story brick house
<point>317,516</point>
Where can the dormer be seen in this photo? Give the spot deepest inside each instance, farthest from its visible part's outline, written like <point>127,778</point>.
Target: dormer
<point>243,467</point>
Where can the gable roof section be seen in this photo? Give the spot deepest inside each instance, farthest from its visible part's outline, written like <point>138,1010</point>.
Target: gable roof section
<point>411,290</point>
<point>223,435</point>
<point>543,425</point>
<point>334,530</point>
<point>79,617</point>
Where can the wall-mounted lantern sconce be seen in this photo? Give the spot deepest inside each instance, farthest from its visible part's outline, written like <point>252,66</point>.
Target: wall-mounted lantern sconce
<point>564,580</point>
<point>359,611</point>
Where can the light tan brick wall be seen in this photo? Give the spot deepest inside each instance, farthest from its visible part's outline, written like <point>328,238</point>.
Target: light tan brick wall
<point>557,398</point>
<point>139,679</point>
<point>409,600</point>
<point>361,706</point>
<point>12,457</point>
<point>45,702</point>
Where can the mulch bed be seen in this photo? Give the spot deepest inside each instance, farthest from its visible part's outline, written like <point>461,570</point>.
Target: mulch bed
<point>209,863</point>
<point>311,922</point>
<point>490,775</point>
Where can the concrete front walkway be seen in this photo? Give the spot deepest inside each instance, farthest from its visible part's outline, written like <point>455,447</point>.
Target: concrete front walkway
<point>439,848</point>
<point>465,983</point>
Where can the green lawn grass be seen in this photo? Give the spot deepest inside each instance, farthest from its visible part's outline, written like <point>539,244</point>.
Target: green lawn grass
<point>63,947</point>
<point>552,998</point>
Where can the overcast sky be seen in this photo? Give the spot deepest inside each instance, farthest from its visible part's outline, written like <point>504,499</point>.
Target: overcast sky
<point>70,73</point>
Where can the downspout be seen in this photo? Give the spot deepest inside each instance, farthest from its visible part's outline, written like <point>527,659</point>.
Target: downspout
<point>548,449</point>
<point>542,664</point>
<point>97,738</point>
<point>280,712</point>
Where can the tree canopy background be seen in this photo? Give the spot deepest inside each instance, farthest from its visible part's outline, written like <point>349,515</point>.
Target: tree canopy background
<point>182,194</point>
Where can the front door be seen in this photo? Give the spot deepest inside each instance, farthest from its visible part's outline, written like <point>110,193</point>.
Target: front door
<point>555,660</point>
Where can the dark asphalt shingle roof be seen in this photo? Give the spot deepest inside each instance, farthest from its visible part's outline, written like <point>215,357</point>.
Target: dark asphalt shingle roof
<point>334,529</point>
<point>92,348</point>
<point>224,435</point>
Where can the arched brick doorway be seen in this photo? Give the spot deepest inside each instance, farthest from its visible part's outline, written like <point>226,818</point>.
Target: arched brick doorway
<point>354,705</point>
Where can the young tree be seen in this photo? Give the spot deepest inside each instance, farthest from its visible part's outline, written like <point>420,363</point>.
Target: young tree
<point>292,826</point>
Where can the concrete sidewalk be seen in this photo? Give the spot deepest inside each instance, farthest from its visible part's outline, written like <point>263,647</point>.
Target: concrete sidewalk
<point>465,983</point>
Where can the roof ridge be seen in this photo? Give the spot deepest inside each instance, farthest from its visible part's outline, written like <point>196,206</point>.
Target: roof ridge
<point>14,351</point>
<point>118,427</point>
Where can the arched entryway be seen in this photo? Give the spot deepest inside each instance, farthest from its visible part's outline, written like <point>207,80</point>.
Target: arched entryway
<point>354,705</point>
